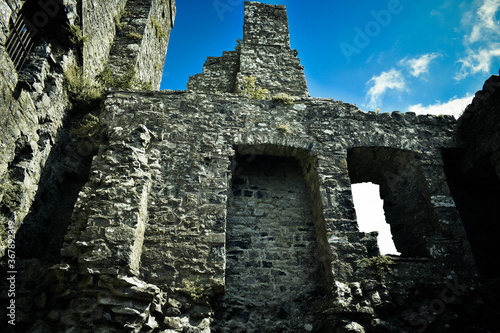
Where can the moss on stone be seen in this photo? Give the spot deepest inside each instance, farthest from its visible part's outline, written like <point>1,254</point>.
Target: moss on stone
<point>284,129</point>
<point>127,80</point>
<point>252,90</point>
<point>133,35</point>
<point>118,19</point>
<point>160,33</point>
<point>283,98</point>
<point>124,81</point>
<point>77,36</point>
<point>118,24</point>
<point>193,288</point>
<point>378,266</point>
<point>88,128</point>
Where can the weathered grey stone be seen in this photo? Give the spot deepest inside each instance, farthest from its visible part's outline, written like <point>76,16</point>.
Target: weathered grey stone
<point>174,322</point>
<point>374,297</point>
<point>352,327</point>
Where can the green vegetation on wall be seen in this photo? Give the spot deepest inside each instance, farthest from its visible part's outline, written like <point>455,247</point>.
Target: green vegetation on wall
<point>77,36</point>
<point>284,129</point>
<point>81,88</point>
<point>118,19</point>
<point>127,80</point>
<point>133,35</point>
<point>160,33</point>
<point>89,127</point>
<point>251,90</point>
<point>193,288</point>
<point>378,266</point>
<point>283,98</point>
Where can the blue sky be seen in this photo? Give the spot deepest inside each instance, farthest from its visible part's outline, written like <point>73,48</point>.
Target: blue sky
<point>425,56</point>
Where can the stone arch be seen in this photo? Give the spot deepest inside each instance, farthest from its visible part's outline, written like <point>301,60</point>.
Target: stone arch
<point>279,144</point>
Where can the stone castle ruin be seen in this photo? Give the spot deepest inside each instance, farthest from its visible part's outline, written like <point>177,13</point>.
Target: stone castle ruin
<point>226,207</point>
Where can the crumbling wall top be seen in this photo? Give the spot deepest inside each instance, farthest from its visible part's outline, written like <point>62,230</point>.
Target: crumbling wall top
<point>264,54</point>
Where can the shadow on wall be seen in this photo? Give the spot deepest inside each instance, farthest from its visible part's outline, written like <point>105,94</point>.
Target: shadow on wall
<point>476,193</point>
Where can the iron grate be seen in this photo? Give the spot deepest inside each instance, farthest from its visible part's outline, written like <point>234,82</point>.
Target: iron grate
<point>20,41</point>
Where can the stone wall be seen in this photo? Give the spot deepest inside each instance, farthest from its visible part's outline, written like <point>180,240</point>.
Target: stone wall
<point>45,152</point>
<point>272,276</point>
<point>479,125</point>
<point>188,141</point>
<point>142,36</point>
<point>219,74</point>
<point>127,35</point>
<point>98,25</point>
<point>473,172</point>
<point>34,101</point>
<point>33,106</point>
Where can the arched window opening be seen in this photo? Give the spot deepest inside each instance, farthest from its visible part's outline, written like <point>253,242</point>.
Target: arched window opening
<point>407,205</point>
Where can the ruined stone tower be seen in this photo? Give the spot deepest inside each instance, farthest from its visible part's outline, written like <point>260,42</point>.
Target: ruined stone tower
<point>227,207</point>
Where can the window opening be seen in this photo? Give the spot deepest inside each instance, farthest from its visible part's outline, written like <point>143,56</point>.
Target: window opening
<point>36,19</point>
<point>20,41</point>
<point>407,205</point>
<point>371,216</point>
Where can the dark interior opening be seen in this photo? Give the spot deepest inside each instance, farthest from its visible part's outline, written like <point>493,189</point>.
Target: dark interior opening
<point>41,235</point>
<point>476,192</point>
<point>35,20</point>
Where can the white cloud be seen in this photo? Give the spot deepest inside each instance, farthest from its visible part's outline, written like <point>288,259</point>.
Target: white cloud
<point>486,23</point>
<point>483,43</point>
<point>420,65</point>
<point>453,107</point>
<point>478,61</point>
<point>383,82</point>
<point>370,215</point>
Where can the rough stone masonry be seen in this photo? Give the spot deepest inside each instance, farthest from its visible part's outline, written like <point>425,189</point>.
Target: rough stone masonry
<point>218,210</point>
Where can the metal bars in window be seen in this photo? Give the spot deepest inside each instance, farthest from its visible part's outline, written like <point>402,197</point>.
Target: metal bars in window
<point>20,41</point>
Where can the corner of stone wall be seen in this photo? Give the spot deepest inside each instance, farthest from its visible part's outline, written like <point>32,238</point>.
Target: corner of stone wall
<point>138,38</point>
